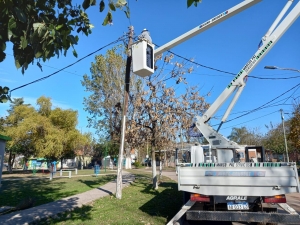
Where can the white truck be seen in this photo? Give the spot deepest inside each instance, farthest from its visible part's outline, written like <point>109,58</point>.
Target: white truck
<point>219,185</point>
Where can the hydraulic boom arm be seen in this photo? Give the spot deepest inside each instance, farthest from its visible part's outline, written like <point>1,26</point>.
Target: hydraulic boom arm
<point>238,83</point>
<point>206,25</point>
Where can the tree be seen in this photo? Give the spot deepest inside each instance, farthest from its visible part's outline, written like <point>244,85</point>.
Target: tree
<point>294,131</point>
<point>106,85</point>
<point>21,135</point>
<point>45,28</point>
<point>42,29</point>
<point>155,112</point>
<point>274,139</point>
<point>85,144</point>
<point>245,136</point>
<point>41,132</point>
<point>158,114</point>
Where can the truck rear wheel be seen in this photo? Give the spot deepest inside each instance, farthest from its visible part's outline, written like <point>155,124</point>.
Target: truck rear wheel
<point>264,223</point>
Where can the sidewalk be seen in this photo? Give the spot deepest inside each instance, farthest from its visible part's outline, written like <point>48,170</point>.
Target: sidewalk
<point>66,204</point>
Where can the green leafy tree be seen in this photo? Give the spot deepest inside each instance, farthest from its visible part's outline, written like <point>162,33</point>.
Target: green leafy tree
<point>21,135</point>
<point>245,136</point>
<point>84,146</point>
<point>106,84</point>
<point>274,139</point>
<point>294,132</point>
<point>42,132</point>
<point>43,29</point>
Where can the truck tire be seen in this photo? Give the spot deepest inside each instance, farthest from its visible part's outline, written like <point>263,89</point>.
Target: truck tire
<point>265,223</point>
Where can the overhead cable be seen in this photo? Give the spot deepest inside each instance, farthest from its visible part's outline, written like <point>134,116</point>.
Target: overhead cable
<point>45,77</point>
<point>223,71</point>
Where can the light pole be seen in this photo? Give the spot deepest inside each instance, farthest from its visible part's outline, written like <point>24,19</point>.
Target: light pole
<point>285,142</point>
<point>282,118</point>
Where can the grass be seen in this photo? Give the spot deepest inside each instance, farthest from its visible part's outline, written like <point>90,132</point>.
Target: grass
<point>140,204</point>
<point>42,191</point>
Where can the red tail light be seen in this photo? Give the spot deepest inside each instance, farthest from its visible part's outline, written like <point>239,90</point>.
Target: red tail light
<point>275,199</point>
<point>199,198</point>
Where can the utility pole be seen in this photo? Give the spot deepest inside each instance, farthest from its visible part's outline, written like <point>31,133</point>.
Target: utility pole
<point>125,106</point>
<point>286,149</point>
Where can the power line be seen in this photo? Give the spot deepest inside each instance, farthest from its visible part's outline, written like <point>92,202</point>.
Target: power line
<point>45,77</point>
<point>44,65</point>
<point>223,71</point>
<point>249,120</point>
<point>260,107</point>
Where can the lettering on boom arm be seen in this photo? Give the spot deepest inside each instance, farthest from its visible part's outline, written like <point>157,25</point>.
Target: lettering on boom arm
<point>213,19</point>
<point>250,63</point>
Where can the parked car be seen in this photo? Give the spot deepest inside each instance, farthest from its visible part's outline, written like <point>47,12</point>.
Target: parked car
<point>147,162</point>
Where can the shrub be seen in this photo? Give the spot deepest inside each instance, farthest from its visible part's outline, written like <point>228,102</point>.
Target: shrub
<point>137,164</point>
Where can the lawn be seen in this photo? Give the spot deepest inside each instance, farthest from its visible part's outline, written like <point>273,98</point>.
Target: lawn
<point>140,204</point>
<point>40,191</point>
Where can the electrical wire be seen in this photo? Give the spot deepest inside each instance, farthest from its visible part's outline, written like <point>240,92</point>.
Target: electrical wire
<point>44,65</point>
<point>260,107</point>
<point>223,71</point>
<point>45,77</point>
<point>250,120</point>
<point>264,78</point>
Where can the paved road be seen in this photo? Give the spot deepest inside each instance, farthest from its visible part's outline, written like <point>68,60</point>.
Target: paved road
<point>293,199</point>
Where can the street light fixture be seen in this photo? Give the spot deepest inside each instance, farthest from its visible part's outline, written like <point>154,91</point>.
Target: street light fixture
<point>279,68</point>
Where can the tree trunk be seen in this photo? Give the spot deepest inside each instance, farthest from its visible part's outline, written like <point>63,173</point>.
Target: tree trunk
<point>154,175</point>
<point>82,165</point>
<point>10,162</point>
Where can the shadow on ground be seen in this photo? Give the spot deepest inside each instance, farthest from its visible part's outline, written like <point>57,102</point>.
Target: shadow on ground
<point>165,203</point>
<point>40,191</point>
<point>37,215</point>
<point>93,183</point>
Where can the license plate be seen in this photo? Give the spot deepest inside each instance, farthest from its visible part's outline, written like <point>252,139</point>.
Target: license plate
<point>237,206</point>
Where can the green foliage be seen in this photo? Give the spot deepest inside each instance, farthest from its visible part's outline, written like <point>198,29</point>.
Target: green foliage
<point>274,139</point>
<point>245,136</point>
<point>4,97</point>
<point>43,132</point>
<point>105,84</point>
<point>47,28</point>
<point>137,164</point>
<point>44,105</point>
<point>294,132</point>
<point>106,148</point>
<point>40,29</point>
<point>190,2</point>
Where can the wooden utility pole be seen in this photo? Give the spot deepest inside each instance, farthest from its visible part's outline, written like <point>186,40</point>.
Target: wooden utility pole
<point>125,106</point>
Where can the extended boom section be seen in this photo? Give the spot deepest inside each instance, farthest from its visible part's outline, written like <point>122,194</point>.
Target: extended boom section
<point>239,82</point>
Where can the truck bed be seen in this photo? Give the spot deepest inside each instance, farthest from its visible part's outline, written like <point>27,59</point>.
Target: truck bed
<point>239,179</point>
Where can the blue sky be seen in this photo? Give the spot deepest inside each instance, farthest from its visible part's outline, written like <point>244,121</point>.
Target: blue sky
<point>228,46</point>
